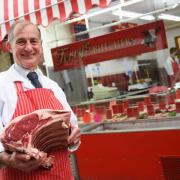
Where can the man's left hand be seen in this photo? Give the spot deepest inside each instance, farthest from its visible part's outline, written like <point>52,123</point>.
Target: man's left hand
<point>74,137</point>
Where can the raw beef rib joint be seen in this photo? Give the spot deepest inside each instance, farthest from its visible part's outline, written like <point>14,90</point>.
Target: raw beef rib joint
<point>40,131</point>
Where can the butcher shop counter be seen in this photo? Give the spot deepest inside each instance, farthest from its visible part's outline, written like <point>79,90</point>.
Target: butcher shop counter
<point>135,150</point>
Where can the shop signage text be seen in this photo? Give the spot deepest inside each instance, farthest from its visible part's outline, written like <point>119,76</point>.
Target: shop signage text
<point>128,42</point>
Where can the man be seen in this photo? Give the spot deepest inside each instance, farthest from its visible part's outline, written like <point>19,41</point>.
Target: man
<point>18,96</point>
<point>171,66</point>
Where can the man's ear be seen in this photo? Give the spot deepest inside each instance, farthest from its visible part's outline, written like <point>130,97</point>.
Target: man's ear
<point>8,45</point>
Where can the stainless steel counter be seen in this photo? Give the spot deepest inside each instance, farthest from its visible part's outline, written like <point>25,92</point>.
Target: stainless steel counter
<point>132,126</point>
<point>129,95</point>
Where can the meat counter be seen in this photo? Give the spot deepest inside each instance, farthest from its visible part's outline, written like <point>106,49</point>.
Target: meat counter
<point>136,149</point>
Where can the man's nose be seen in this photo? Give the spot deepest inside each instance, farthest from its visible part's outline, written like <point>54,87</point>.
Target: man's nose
<point>28,46</point>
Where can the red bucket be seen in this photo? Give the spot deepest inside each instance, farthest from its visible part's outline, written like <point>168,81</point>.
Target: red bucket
<point>147,100</point>
<point>150,110</point>
<point>109,114</point>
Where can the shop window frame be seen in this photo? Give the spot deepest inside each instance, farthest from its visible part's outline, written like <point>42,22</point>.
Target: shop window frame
<point>177,42</point>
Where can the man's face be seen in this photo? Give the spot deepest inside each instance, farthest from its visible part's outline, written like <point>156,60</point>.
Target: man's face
<point>26,46</point>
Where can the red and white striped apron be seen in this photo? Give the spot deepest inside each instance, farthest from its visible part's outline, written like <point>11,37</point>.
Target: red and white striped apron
<point>175,67</point>
<point>28,101</point>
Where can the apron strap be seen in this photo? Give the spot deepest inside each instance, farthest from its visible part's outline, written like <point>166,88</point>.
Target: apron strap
<point>19,87</point>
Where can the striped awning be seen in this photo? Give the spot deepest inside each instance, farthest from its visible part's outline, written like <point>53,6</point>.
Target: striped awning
<point>42,11</point>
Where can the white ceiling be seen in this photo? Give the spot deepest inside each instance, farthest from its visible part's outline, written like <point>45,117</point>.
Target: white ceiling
<point>144,7</point>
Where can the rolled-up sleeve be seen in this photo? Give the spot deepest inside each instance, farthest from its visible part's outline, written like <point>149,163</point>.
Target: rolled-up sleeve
<point>168,67</point>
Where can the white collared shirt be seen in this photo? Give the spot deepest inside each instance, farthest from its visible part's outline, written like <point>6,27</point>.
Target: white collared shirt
<point>168,65</point>
<point>8,95</point>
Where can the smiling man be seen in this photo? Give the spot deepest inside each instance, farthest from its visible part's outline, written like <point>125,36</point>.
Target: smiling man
<point>19,95</point>
<point>25,44</point>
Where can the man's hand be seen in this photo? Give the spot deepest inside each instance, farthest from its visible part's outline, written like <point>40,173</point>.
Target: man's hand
<point>22,161</point>
<point>74,137</point>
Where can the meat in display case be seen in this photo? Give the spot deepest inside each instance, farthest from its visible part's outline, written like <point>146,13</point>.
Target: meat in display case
<point>158,103</point>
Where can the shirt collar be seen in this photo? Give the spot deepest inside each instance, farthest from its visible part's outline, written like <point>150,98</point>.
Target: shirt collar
<point>23,72</point>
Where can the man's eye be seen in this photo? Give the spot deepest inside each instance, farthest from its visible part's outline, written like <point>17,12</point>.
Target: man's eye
<point>21,42</point>
<point>34,41</point>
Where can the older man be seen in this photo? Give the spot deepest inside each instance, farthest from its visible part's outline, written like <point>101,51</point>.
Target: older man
<point>19,96</point>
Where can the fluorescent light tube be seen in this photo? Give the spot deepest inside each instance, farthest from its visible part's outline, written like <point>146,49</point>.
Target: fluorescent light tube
<point>148,17</point>
<point>131,14</point>
<point>169,17</point>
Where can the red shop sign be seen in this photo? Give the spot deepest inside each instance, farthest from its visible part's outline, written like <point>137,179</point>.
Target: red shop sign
<point>128,42</point>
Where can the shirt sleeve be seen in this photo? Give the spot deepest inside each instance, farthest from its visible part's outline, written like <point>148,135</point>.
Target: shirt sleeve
<point>168,67</point>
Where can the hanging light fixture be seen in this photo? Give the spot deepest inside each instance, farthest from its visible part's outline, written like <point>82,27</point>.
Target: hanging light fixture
<point>131,14</point>
<point>169,17</point>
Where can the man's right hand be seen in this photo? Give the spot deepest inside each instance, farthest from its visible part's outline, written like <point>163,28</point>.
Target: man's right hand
<point>22,161</point>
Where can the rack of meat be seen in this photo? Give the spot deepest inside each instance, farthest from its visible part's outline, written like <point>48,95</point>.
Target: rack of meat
<point>42,131</point>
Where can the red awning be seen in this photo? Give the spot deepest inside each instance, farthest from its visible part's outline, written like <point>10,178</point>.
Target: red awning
<point>42,11</point>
